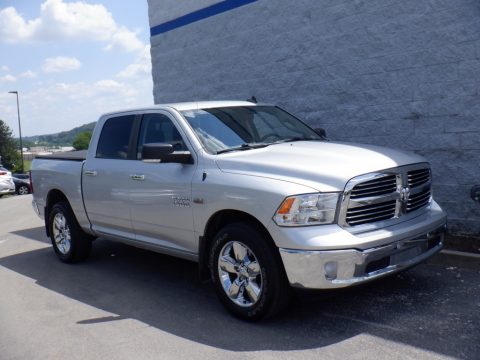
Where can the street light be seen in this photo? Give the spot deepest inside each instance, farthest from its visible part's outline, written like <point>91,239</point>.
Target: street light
<point>19,127</point>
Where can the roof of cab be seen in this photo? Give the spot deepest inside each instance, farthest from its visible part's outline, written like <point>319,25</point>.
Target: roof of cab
<point>192,105</point>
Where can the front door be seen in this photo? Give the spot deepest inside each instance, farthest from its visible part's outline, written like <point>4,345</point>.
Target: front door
<point>160,195</point>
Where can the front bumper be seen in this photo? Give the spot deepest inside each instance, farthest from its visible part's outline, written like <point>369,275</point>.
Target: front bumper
<point>326,269</point>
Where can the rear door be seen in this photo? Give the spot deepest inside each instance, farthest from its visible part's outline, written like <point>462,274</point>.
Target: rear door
<point>106,180</point>
<point>161,193</point>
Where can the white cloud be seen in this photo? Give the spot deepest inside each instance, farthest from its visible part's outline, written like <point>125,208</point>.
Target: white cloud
<point>29,74</point>
<point>124,39</point>
<point>61,64</point>
<point>14,28</point>
<point>59,20</point>
<point>8,78</point>
<point>142,66</point>
<point>4,68</point>
<point>54,107</point>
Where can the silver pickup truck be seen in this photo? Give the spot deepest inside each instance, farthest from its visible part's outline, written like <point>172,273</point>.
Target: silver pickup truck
<point>259,199</point>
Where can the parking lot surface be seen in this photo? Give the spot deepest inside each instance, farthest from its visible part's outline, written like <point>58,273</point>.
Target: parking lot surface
<point>127,303</point>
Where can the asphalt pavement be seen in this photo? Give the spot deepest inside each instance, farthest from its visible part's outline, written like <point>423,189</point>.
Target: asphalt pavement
<point>127,303</point>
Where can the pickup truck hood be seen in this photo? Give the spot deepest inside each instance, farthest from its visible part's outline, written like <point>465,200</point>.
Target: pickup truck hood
<point>323,166</point>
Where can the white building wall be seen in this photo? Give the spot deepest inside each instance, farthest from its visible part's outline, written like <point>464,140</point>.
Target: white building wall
<point>403,74</point>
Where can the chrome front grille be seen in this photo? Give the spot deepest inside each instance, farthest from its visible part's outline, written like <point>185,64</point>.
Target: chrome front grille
<point>385,196</point>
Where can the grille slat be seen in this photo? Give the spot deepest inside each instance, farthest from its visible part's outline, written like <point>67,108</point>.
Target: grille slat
<point>418,200</point>
<point>369,220</point>
<point>372,207</point>
<point>418,177</point>
<point>380,190</point>
<point>380,181</point>
<point>376,187</point>
<point>369,213</point>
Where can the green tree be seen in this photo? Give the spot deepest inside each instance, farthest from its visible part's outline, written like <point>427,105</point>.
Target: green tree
<point>82,140</point>
<point>9,150</point>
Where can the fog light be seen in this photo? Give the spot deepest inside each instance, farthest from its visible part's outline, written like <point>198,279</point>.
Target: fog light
<point>331,270</point>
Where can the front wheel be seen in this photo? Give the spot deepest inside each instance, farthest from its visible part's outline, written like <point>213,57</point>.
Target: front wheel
<point>248,275</point>
<point>69,241</point>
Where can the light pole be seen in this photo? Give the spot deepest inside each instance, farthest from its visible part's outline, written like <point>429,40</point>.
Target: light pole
<point>19,126</point>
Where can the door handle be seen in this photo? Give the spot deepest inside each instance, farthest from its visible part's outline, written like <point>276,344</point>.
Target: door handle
<point>137,177</point>
<point>90,172</point>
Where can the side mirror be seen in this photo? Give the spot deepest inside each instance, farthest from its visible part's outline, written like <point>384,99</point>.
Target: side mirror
<point>321,132</point>
<point>160,152</point>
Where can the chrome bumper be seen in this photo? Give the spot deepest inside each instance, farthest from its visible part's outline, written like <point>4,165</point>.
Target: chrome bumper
<point>341,268</point>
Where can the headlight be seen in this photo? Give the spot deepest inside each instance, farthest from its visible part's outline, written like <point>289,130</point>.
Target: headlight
<point>309,209</point>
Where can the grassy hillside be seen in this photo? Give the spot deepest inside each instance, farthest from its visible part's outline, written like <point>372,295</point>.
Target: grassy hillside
<point>64,138</point>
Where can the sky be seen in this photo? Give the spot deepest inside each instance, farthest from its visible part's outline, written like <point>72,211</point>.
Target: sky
<point>71,61</point>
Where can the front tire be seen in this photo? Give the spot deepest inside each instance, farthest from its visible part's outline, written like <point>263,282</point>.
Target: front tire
<point>247,273</point>
<point>69,241</point>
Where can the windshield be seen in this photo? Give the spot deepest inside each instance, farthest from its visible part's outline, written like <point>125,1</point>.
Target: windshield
<point>243,127</point>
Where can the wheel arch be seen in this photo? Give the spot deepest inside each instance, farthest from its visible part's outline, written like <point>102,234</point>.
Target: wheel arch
<point>54,196</point>
<point>219,220</point>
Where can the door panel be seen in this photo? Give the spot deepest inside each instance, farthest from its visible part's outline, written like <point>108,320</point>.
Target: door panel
<point>106,195</point>
<point>161,205</point>
<point>106,180</point>
<point>160,196</point>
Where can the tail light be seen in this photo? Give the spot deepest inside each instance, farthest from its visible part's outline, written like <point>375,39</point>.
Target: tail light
<point>31,180</point>
<point>3,173</point>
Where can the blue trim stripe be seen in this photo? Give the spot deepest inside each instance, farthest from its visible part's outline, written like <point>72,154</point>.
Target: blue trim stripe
<point>198,15</point>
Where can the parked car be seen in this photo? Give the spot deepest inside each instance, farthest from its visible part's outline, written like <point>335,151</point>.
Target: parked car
<point>259,199</point>
<point>7,185</point>
<point>21,176</point>
<point>22,185</point>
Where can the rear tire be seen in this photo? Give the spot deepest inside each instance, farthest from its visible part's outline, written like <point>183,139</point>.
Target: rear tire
<point>70,242</point>
<point>247,273</point>
<point>23,190</point>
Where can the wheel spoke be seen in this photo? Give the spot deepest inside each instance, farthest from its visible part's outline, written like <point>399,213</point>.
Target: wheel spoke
<point>253,268</point>
<point>228,264</point>
<point>58,238</point>
<point>234,289</point>
<point>239,251</point>
<point>253,291</point>
<point>58,222</point>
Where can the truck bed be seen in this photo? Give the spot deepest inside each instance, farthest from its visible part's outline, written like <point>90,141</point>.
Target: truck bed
<point>68,156</point>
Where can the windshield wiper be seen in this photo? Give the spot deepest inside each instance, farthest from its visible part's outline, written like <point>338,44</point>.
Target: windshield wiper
<point>242,147</point>
<point>295,138</point>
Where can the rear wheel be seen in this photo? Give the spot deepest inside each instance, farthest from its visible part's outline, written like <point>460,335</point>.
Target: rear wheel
<point>69,241</point>
<point>248,275</point>
<point>23,190</point>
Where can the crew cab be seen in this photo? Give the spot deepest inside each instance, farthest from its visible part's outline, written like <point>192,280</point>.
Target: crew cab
<point>259,199</point>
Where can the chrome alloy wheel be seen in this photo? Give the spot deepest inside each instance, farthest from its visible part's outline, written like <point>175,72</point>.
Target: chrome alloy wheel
<point>240,274</point>
<point>61,233</point>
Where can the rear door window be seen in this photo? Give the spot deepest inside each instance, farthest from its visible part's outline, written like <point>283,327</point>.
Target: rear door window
<point>115,137</point>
